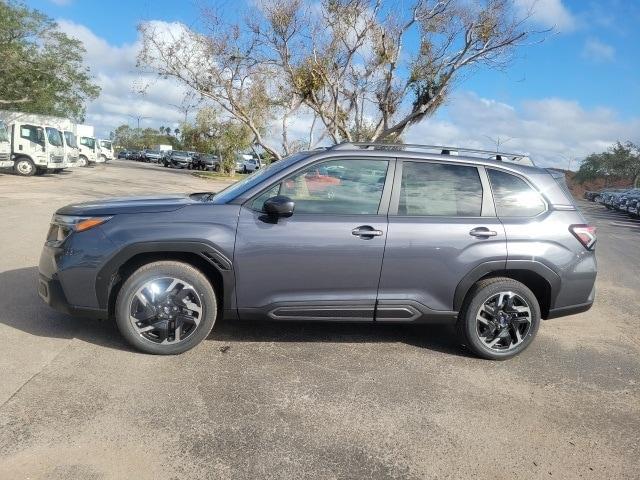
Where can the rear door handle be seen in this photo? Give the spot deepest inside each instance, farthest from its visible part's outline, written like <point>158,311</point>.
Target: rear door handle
<point>482,232</point>
<point>366,231</point>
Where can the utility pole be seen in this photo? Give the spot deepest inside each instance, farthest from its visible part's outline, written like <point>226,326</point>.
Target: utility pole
<point>138,118</point>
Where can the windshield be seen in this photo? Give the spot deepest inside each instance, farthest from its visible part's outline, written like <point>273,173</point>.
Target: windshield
<point>88,142</point>
<point>70,139</point>
<point>255,178</point>
<point>105,144</point>
<point>54,137</point>
<point>4,137</point>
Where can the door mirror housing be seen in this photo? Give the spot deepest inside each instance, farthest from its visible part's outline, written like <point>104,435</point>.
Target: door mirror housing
<point>279,206</point>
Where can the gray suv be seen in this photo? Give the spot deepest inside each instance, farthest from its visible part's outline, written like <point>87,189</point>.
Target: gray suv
<point>351,233</point>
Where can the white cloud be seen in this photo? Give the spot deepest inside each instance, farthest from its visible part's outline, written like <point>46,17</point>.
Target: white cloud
<point>598,51</point>
<point>114,68</point>
<point>548,13</point>
<point>547,129</point>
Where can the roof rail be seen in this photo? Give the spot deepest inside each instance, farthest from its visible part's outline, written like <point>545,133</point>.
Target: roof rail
<point>519,158</point>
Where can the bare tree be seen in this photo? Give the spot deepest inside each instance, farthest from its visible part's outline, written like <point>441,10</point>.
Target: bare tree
<point>364,69</point>
<point>355,72</point>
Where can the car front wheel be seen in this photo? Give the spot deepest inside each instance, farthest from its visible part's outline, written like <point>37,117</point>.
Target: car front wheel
<point>499,318</point>
<point>25,167</point>
<point>166,308</point>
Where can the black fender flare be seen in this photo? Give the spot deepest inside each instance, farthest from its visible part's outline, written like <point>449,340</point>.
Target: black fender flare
<point>487,268</point>
<point>108,275</point>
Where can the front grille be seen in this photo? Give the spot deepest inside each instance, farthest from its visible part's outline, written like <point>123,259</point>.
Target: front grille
<point>4,157</point>
<point>57,159</point>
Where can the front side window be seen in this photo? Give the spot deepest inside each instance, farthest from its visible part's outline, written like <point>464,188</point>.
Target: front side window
<point>438,189</point>
<point>70,138</point>
<point>88,142</point>
<point>32,133</point>
<point>4,137</point>
<point>339,187</point>
<point>105,144</point>
<point>54,137</point>
<point>513,196</point>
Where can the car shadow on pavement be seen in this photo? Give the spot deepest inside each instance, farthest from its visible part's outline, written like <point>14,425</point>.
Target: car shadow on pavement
<point>22,309</point>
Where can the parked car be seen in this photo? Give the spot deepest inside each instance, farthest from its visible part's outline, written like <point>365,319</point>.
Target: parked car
<point>246,163</point>
<point>593,196</point>
<point>179,159</point>
<point>207,162</point>
<point>134,155</point>
<point>154,156</point>
<point>620,201</point>
<point>633,206</point>
<point>123,154</point>
<point>407,236</point>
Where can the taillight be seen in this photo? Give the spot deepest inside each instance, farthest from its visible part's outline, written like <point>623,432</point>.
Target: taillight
<point>586,235</point>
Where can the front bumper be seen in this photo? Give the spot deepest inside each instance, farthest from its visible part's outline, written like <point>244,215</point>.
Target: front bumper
<point>50,290</point>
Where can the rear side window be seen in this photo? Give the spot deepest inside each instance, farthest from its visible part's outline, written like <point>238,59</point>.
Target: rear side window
<point>513,196</point>
<point>436,189</point>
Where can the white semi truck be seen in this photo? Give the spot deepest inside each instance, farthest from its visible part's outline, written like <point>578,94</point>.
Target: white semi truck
<point>87,145</point>
<point>105,149</point>
<point>36,142</point>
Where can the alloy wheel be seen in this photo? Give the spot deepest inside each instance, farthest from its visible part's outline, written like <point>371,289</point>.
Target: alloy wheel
<point>503,321</point>
<point>166,310</point>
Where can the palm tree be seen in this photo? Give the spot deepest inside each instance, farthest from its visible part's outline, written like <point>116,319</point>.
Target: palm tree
<point>176,131</point>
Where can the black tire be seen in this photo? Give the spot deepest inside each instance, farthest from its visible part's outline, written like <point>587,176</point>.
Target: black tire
<point>216,168</point>
<point>244,169</point>
<point>25,167</point>
<point>481,292</point>
<point>158,270</point>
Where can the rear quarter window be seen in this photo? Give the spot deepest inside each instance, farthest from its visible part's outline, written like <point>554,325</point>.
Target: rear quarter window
<point>513,196</point>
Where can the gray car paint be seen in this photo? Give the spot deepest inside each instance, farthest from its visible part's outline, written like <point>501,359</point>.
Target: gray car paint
<point>312,267</point>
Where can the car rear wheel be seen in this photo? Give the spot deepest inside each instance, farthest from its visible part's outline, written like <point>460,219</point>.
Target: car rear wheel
<point>499,318</point>
<point>166,308</point>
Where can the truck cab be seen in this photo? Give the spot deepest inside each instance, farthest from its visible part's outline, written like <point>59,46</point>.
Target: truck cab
<point>71,151</point>
<point>87,151</point>
<point>105,150</point>
<point>36,148</point>
<point>5,147</point>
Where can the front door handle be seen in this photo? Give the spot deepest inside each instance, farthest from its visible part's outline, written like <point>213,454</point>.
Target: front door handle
<point>366,231</point>
<point>482,232</point>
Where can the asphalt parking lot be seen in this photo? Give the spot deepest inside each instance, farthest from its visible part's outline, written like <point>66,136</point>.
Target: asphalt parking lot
<point>267,400</point>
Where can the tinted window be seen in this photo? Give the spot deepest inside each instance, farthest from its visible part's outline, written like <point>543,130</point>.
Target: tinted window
<point>356,191</point>
<point>436,189</point>
<point>513,196</point>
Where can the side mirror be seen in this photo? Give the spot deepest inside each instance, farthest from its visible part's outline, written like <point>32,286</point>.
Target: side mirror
<point>279,206</point>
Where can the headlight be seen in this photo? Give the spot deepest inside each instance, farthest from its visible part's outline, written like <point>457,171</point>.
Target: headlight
<point>63,225</point>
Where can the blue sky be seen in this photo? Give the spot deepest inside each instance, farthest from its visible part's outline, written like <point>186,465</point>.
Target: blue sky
<point>590,67</point>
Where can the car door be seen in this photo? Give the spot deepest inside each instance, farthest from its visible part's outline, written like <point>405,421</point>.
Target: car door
<point>323,262</point>
<point>442,226</point>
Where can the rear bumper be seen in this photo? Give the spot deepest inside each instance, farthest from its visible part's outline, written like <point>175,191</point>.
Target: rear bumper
<point>50,290</point>
<point>572,309</point>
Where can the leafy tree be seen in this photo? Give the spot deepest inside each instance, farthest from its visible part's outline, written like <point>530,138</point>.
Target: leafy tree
<point>138,138</point>
<point>622,160</point>
<point>41,68</point>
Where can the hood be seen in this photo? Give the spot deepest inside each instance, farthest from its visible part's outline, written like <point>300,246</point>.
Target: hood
<point>150,204</point>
